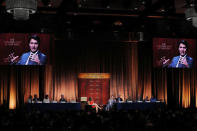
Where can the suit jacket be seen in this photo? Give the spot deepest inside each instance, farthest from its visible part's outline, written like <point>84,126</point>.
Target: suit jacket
<point>118,99</point>
<point>25,56</point>
<point>62,100</point>
<point>111,101</point>
<point>176,59</point>
<point>153,100</point>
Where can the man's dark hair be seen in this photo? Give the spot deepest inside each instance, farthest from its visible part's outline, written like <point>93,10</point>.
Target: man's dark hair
<point>46,96</point>
<point>183,42</point>
<point>35,37</point>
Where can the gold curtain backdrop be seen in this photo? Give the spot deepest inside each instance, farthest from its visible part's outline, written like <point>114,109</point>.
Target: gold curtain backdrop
<point>159,88</point>
<point>65,82</point>
<point>4,84</point>
<point>131,75</point>
<point>29,81</point>
<point>12,92</point>
<point>48,82</point>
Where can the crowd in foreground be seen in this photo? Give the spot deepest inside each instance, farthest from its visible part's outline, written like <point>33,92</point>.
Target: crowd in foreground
<point>113,120</point>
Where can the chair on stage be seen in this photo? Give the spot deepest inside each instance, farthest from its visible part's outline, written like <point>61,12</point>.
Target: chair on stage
<point>89,108</point>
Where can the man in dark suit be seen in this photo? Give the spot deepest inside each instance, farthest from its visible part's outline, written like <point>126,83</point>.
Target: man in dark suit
<point>35,99</point>
<point>153,99</point>
<point>33,57</point>
<point>62,99</point>
<point>119,99</point>
<point>110,103</point>
<point>181,61</point>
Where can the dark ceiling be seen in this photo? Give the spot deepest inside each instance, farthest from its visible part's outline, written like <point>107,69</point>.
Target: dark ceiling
<point>156,17</point>
<point>125,7</point>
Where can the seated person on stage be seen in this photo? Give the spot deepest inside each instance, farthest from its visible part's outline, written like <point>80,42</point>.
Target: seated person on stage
<point>29,99</point>
<point>129,99</point>
<point>62,99</point>
<point>153,99</point>
<point>35,99</point>
<point>46,99</point>
<point>72,100</point>
<point>146,99</point>
<point>119,99</point>
<point>110,103</point>
<point>93,105</point>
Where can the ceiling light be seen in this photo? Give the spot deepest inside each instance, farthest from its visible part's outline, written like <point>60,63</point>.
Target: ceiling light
<point>21,8</point>
<point>190,14</point>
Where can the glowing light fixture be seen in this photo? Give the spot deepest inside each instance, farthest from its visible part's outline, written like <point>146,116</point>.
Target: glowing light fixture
<point>21,8</point>
<point>190,14</point>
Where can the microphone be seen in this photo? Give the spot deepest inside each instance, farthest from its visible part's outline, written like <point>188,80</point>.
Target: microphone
<point>182,58</point>
<point>180,61</point>
<point>31,56</point>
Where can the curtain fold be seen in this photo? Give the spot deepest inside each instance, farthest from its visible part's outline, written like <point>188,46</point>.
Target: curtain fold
<point>48,81</point>
<point>160,84</point>
<point>12,90</point>
<point>4,85</point>
<point>144,71</point>
<point>29,81</point>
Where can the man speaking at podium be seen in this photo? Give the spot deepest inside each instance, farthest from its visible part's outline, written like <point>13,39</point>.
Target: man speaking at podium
<point>34,57</point>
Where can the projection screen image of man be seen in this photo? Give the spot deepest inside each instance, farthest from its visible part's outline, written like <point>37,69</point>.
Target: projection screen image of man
<point>33,57</point>
<point>180,61</point>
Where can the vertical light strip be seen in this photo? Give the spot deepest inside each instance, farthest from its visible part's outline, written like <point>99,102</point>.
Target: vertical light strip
<point>12,100</point>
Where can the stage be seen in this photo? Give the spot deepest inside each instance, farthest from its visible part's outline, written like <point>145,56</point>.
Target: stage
<point>79,106</point>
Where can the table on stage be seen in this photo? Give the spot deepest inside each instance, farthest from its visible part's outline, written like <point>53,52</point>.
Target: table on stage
<point>140,105</point>
<point>54,106</point>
